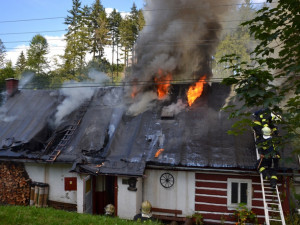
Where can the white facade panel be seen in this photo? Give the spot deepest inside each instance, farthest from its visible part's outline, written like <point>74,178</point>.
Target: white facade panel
<point>180,196</point>
<point>54,176</point>
<point>129,202</point>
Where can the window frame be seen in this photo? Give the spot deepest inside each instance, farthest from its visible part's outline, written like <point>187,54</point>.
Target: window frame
<point>233,206</point>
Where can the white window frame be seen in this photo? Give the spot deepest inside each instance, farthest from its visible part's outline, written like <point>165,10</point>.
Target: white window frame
<point>233,206</point>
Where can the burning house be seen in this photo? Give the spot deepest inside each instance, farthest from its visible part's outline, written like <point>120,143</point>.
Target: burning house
<point>163,138</point>
<point>175,154</point>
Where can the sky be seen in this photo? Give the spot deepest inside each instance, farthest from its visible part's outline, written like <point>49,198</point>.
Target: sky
<point>21,20</point>
<point>16,35</point>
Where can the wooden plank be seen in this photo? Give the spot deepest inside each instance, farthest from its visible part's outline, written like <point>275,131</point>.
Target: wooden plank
<point>173,211</point>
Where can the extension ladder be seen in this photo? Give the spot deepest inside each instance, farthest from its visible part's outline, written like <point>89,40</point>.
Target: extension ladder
<point>272,203</point>
<point>69,132</point>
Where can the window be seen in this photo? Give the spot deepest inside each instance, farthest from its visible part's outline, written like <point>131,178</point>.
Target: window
<point>238,191</point>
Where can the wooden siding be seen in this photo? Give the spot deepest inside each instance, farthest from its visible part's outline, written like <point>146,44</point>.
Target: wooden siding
<point>211,196</point>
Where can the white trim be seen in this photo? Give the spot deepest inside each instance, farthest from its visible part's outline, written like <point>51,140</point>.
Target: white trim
<point>214,196</point>
<point>213,189</point>
<point>212,181</point>
<point>207,203</point>
<point>218,221</point>
<point>233,206</point>
<point>214,213</point>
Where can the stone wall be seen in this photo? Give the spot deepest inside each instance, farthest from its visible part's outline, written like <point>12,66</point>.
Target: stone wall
<point>14,184</point>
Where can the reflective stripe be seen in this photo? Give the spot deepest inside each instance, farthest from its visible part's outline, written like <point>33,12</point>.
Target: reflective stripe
<point>257,122</point>
<point>262,169</point>
<point>274,177</point>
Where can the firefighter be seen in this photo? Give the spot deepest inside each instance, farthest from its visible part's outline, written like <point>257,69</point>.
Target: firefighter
<point>109,210</point>
<point>269,157</point>
<point>146,213</point>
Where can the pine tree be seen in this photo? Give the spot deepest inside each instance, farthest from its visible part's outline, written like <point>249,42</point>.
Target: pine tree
<point>77,38</point>
<point>114,21</point>
<point>36,54</point>
<point>21,63</point>
<point>97,21</point>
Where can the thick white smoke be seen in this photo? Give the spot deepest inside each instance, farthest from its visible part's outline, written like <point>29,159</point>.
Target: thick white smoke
<point>76,93</point>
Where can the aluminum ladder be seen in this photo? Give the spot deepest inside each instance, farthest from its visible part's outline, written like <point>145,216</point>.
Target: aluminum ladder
<point>272,203</point>
<point>69,132</point>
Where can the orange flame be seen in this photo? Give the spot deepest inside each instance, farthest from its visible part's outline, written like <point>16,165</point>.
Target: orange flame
<point>159,151</point>
<point>195,90</point>
<point>163,82</point>
<point>134,88</point>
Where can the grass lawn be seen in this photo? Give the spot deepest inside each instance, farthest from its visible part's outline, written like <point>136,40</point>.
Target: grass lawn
<point>27,215</point>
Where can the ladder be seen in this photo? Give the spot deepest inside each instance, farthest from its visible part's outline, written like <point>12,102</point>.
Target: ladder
<point>272,203</point>
<point>69,132</point>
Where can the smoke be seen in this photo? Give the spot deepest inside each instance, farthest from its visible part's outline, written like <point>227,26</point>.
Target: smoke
<point>180,37</point>
<point>76,93</point>
<point>25,79</point>
<point>4,117</point>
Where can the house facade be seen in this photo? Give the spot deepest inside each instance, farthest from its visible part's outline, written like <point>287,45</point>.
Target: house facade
<point>178,160</point>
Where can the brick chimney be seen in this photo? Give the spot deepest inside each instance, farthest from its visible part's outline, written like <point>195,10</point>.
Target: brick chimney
<point>11,86</point>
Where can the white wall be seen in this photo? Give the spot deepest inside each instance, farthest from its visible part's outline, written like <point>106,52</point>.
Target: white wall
<point>129,202</point>
<point>54,176</point>
<point>180,196</point>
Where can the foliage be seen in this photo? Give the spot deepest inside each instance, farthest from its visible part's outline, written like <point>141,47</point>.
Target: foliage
<point>77,37</point>
<point>7,72</point>
<point>97,14</point>
<point>17,215</point>
<point>21,63</point>
<point>36,54</point>
<point>271,78</point>
<point>2,54</point>
<point>237,41</point>
<point>198,218</point>
<point>102,34</point>
<point>244,215</point>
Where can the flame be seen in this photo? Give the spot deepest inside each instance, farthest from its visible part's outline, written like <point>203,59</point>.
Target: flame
<point>159,151</point>
<point>163,82</point>
<point>195,90</point>
<point>134,88</point>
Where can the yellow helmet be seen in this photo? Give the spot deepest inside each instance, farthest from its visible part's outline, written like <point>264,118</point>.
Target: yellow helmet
<point>146,207</point>
<point>266,131</point>
<point>109,209</point>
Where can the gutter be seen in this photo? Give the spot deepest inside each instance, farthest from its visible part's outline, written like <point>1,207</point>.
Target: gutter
<point>211,170</point>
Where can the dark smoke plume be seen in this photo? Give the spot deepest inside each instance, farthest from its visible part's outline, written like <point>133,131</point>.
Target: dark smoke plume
<point>180,37</point>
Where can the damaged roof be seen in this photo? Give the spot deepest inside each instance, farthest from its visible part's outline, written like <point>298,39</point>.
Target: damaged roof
<point>108,141</point>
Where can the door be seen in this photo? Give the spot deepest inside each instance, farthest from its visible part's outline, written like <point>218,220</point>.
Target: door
<point>88,194</point>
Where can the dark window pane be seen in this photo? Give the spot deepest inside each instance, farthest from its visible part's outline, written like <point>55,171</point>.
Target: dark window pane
<point>244,192</point>
<point>234,192</point>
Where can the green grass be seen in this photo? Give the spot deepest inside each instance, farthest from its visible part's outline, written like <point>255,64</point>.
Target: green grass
<point>26,215</point>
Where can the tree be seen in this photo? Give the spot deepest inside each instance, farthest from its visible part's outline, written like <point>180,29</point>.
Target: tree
<point>21,63</point>
<point>77,38</point>
<point>97,20</point>
<point>2,54</point>
<point>129,29</point>
<point>235,41</point>
<point>102,34</point>
<point>271,79</point>
<point>114,21</point>
<point>36,54</point>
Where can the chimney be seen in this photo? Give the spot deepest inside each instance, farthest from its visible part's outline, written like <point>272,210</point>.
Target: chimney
<point>11,86</point>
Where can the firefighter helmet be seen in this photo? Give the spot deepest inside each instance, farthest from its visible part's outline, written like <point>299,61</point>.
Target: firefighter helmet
<point>266,132</point>
<point>146,207</point>
<point>109,209</point>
